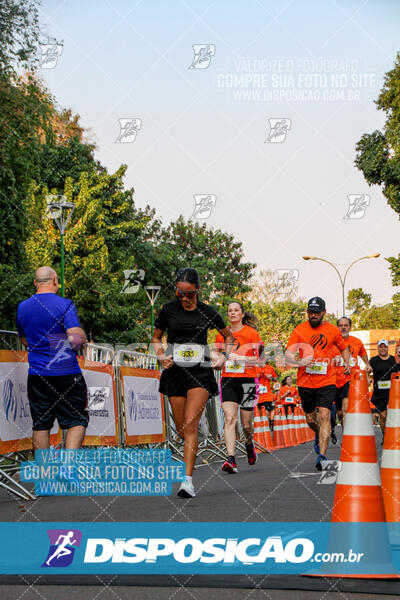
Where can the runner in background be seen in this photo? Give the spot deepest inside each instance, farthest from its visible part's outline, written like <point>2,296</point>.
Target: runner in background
<point>266,376</point>
<point>188,379</point>
<point>239,383</point>
<point>383,365</point>
<point>288,394</point>
<point>356,348</point>
<point>316,342</point>
<point>397,355</point>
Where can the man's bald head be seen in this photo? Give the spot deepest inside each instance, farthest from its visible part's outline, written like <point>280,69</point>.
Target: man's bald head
<point>46,280</point>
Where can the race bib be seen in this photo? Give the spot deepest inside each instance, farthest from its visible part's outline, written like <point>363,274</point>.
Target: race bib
<point>317,368</point>
<point>384,385</point>
<point>233,367</point>
<point>263,389</point>
<point>188,354</point>
<point>289,400</point>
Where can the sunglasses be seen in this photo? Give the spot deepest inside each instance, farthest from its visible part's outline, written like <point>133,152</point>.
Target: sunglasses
<point>182,294</point>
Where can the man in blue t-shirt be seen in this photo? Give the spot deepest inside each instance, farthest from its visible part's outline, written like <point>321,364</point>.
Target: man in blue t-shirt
<point>49,326</point>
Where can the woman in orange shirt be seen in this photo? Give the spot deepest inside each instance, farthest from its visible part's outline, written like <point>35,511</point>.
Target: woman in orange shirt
<point>288,394</point>
<point>239,383</point>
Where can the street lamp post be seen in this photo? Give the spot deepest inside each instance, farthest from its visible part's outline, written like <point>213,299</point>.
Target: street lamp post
<point>342,279</point>
<point>61,212</point>
<point>152,292</point>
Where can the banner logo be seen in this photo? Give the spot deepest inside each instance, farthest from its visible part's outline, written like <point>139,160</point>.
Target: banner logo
<point>132,406</point>
<point>10,403</point>
<point>62,547</point>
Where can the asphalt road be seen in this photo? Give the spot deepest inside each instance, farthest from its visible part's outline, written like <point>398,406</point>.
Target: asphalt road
<point>281,486</point>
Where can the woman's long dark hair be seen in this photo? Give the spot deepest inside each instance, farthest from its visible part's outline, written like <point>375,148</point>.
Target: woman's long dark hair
<point>188,274</point>
<point>285,380</point>
<point>248,318</point>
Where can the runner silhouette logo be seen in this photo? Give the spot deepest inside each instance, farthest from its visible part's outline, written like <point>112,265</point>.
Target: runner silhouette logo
<point>63,543</point>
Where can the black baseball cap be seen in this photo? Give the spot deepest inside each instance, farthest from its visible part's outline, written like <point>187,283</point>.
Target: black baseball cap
<point>316,304</point>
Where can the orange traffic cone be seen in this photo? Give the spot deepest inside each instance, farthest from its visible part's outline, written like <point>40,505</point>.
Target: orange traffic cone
<point>300,435</point>
<point>309,434</point>
<point>268,443</point>
<point>258,433</point>
<point>390,465</point>
<point>279,429</point>
<point>358,495</point>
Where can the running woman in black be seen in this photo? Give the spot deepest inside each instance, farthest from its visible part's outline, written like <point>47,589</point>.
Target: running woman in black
<point>188,379</point>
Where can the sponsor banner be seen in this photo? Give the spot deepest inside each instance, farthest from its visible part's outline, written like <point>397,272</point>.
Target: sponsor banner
<point>143,406</point>
<point>198,548</point>
<point>15,414</point>
<point>102,404</point>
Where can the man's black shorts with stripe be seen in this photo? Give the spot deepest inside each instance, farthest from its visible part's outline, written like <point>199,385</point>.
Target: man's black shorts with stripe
<point>311,398</point>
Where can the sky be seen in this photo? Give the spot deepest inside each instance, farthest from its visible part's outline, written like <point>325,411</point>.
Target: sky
<point>256,106</point>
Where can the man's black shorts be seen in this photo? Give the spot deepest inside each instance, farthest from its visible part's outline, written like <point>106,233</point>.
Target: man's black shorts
<point>267,405</point>
<point>341,393</point>
<point>313,397</point>
<point>242,390</point>
<point>381,402</point>
<point>61,397</point>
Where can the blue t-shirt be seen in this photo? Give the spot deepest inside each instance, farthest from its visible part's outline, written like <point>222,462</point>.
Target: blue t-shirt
<point>43,320</point>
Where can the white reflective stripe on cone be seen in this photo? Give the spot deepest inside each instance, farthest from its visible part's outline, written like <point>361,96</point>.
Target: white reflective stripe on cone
<point>390,459</point>
<point>358,424</point>
<point>393,417</point>
<point>359,474</point>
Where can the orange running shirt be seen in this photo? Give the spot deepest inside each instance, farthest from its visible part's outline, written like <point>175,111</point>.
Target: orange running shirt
<point>265,390</point>
<point>291,398</point>
<point>322,343</point>
<point>247,342</point>
<point>356,348</point>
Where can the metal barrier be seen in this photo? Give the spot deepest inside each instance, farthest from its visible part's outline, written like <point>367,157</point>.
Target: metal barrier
<point>10,340</point>
<point>99,353</point>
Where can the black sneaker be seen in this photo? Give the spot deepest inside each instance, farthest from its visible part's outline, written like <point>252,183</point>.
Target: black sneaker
<point>333,438</point>
<point>251,454</point>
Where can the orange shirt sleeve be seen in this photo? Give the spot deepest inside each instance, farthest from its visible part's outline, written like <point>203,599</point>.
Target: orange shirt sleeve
<point>219,341</point>
<point>362,351</point>
<point>339,341</point>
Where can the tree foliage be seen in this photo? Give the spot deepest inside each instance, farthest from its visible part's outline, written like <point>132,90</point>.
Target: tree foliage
<point>358,300</point>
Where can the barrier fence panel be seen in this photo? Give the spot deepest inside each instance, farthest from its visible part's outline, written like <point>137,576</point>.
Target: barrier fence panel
<point>98,370</point>
<point>15,416</point>
<point>142,407</point>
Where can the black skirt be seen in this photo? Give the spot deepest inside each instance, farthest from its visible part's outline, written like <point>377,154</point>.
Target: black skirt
<point>176,381</point>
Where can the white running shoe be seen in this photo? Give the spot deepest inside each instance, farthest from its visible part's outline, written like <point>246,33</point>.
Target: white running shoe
<point>186,490</point>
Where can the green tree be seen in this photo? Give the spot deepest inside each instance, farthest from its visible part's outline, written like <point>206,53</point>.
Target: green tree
<point>378,153</point>
<point>19,26</point>
<point>277,321</point>
<point>100,243</point>
<point>215,254</point>
<point>358,300</point>
<point>378,317</point>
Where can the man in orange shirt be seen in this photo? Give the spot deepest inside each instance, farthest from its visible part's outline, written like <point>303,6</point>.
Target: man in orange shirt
<point>356,348</point>
<point>316,342</point>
